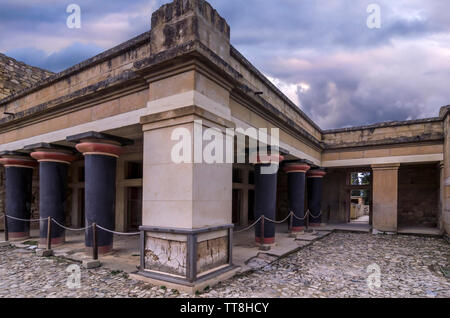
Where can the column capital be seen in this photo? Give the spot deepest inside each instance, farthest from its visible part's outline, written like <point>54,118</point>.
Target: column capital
<point>45,152</point>
<point>316,173</point>
<point>386,166</point>
<point>95,143</point>
<point>16,159</point>
<point>293,167</point>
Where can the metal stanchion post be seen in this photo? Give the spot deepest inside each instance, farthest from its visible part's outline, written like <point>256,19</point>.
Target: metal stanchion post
<point>94,242</point>
<point>291,222</point>
<point>49,230</point>
<point>6,228</point>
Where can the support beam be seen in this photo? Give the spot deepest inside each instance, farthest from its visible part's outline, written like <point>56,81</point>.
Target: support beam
<point>315,188</point>
<point>53,161</point>
<point>18,174</point>
<point>100,155</point>
<point>296,188</point>
<point>385,197</point>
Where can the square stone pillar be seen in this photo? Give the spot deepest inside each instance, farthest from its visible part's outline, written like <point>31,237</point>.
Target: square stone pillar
<point>187,201</point>
<point>445,115</point>
<point>385,197</point>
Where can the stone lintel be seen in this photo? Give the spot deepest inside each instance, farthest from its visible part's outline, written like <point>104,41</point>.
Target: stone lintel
<point>189,112</point>
<point>386,166</point>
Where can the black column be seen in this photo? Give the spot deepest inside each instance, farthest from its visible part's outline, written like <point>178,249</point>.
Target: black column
<point>296,190</point>
<point>100,198</point>
<point>315,181</point>
<point>100,158</point>
<point>266,197</point>
<point>53,161</point>
<point>18,193</point>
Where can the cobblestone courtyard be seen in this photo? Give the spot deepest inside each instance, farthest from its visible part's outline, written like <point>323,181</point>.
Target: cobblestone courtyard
<point>335,266</point>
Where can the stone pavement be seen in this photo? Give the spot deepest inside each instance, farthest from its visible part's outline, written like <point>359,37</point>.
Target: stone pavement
<point>335,266</point>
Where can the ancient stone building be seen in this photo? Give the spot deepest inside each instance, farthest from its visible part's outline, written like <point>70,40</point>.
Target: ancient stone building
<point>16,76</point>
<point>111,128</point>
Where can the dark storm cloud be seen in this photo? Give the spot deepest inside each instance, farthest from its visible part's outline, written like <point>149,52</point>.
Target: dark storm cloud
<point>319,52</point>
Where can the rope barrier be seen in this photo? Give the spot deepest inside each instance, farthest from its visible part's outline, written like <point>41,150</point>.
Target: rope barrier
<point>25,220</point>
<point>308,212</point>
<point>316,217</point>
<point>119,233</point>
<point>299,218</point>
<point>249,227</point>
<point>278,222</point>
<point>69,229</point>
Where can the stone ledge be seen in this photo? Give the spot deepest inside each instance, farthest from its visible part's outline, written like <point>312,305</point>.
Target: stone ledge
<point>189,288</point>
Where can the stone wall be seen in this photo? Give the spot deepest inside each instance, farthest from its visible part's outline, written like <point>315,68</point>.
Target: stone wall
<point>385,133</point>
<point>2,196</point>
<point>418,195</point>
<point>16,76</point>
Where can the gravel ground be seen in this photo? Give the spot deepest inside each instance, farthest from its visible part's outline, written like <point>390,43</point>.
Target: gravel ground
<point>340,265</point>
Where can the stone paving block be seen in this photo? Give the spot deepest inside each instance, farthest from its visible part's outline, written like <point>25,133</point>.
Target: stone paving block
<point>90,263</point>
<point>44,253</point>
<point>334,266</point>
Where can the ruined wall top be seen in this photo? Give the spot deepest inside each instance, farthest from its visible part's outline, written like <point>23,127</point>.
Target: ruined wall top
<point>16,76</point>
<point>182,21</point>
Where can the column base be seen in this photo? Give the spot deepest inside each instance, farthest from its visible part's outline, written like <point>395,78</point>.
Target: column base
<point>56,241</point>
<point>102,250</point>
<point>316,224</point>
<point>296,231</point>
<point>268,241</point>
<point>18,236</point>
<point>179,284</point>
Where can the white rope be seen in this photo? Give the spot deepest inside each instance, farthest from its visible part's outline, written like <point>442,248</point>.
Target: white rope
<point>249,227</point>
<point>299,218</point>
<point>69,229</point>
<point>25,220</point>
<point>278,222</point>
<point>315,217</point>
<point>118,233</point>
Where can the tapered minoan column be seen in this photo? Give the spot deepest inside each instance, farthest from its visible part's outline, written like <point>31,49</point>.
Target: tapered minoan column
<point>266,176</point>
<point>315,186</point>
<point>19,175</point>
<point>53,161</point>
<point>100,158</point>
<point>296,187</point>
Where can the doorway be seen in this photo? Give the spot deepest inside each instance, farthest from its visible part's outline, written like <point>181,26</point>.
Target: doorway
<point>359,197</point>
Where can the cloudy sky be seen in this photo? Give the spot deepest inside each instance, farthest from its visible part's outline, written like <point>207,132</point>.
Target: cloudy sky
<point>320,53</point>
